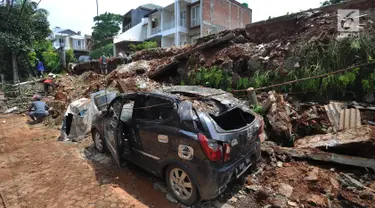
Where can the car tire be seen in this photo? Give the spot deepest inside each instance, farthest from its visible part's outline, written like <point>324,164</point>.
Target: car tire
<point>99,142</point>
<point>182,189</point>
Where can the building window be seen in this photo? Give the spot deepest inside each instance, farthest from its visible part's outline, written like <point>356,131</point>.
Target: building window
<point>78,42</point>
<point>183,19</point>
<point>61,41</point>
<point>195,16</point>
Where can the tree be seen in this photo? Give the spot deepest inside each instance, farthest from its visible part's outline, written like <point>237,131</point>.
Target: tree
<point>21,24</point>
<point>330,2</point>
<point>106,26</point>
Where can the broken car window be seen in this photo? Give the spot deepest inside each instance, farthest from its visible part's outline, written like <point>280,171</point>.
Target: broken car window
<point>116,107</point>
<point>127,111</point>
<point>154,108</point>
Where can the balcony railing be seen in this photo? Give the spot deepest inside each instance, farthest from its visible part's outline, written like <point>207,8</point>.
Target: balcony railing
<point>169,25</point>
<point>155,30</point>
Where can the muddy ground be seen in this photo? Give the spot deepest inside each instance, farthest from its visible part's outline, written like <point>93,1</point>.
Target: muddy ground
<point>37,171</point>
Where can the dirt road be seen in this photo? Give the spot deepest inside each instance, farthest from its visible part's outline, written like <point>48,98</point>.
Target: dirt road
<point>37,171</point>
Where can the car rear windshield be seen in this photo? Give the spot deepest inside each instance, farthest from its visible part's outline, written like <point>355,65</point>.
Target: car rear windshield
<point>233,119</point>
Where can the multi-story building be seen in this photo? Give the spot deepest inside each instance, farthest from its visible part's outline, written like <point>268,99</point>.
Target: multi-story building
<point>69,39</point>
<point>184,21</point>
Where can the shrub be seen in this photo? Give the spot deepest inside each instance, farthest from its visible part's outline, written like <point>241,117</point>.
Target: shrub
<point>144,45</point>
<point>107,50</point>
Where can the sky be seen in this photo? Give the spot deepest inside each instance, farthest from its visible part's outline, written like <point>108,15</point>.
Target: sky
<point>78,15</point>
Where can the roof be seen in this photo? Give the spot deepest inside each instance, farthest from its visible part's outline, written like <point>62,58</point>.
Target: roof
<point>150,6</point>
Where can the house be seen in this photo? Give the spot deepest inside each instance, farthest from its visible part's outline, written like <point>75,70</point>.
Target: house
<point>135,16</point>
<point>69,39</point>
<point>184,21</point>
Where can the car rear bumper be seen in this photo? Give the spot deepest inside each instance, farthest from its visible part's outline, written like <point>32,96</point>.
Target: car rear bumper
<point>214,178</point>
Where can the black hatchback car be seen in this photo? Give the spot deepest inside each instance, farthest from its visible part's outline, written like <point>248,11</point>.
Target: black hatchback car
<point>197,139</point>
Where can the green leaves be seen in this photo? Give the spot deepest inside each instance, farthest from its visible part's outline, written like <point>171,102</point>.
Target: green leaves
<point>144,45</point>
<point>106,26</point>
<point>210,77</point>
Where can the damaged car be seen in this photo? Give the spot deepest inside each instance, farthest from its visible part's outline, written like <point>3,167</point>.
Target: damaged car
<point>197,139</point>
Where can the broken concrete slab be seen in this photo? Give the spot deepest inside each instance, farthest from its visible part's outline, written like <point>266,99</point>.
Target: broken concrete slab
<point>315,154</point>
<point>348,136</point>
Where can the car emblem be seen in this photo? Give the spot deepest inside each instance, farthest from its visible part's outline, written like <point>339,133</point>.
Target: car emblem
<point>234,142</point>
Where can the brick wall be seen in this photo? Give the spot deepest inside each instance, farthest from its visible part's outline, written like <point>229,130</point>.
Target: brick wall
<point>219,15</point>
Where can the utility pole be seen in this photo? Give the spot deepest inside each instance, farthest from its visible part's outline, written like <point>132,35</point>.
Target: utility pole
<point>62,55</point>
<point>15,68</point>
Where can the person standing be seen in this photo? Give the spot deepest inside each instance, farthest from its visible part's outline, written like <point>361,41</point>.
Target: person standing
<point>103,64</point>
<point>40,68</point>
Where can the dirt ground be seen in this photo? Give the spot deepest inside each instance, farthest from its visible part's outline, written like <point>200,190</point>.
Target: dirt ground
<point>37,171</point>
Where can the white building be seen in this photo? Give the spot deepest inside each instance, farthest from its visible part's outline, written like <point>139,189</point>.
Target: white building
<point>70,40</point>
<point>184,21</point>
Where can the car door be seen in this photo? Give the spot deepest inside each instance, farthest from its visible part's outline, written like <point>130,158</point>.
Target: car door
<point>155,124</point>
<point>112,127</point>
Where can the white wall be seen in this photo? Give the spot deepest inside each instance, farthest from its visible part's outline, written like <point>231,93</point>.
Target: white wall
<point>136,33</point>
<point>167,42</point>
<point>183,40</point>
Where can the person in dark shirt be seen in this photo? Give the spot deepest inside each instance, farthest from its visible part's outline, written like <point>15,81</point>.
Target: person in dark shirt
<point>38,109</point>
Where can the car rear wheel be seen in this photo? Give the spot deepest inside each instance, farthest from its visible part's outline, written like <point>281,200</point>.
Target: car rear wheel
<point>181,186</point>
<point>98,141</point>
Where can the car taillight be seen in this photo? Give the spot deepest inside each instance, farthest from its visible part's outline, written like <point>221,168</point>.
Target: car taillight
<point>261,128</point>
<point>211,148</point>
<point>226,152</point>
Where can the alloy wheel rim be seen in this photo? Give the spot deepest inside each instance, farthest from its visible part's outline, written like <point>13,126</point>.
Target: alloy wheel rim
<point>181,183</point>
<point>98,141</point>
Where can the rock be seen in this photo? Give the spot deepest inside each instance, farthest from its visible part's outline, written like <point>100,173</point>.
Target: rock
<point>171,198</point>
<point>62,96</point>
<point>3,122</point>
<point>334,183</point>
<point>218,204</point>
<point>253,65</point>
<point>233,200</point>
<point>279,201</point>
<point>254,188</point>
<point>267,206</point>
<point>262,195</point>
<point>23,114</point>
<point>241,196</point>
<point>279,164</point>
<point>312,175</point>
<point>317,200</point>
<point>366,195</point>
<point>293,204</point>
<point>285,189</point>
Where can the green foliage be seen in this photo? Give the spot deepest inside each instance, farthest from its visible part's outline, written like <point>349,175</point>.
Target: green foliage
<point>51,58</point>
<point>321,59</point>
<point>69,56</point>
<point>106,26</point>
<point>144,45</point>
<point>210,77</point>
<point>20,27</point>
<point>107,50</point>
<point>330,2</point>
<point>368,84</point>
<point>258,109</point>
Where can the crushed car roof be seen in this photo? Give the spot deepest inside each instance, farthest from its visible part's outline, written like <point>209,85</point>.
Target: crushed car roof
<point>205,99</point>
